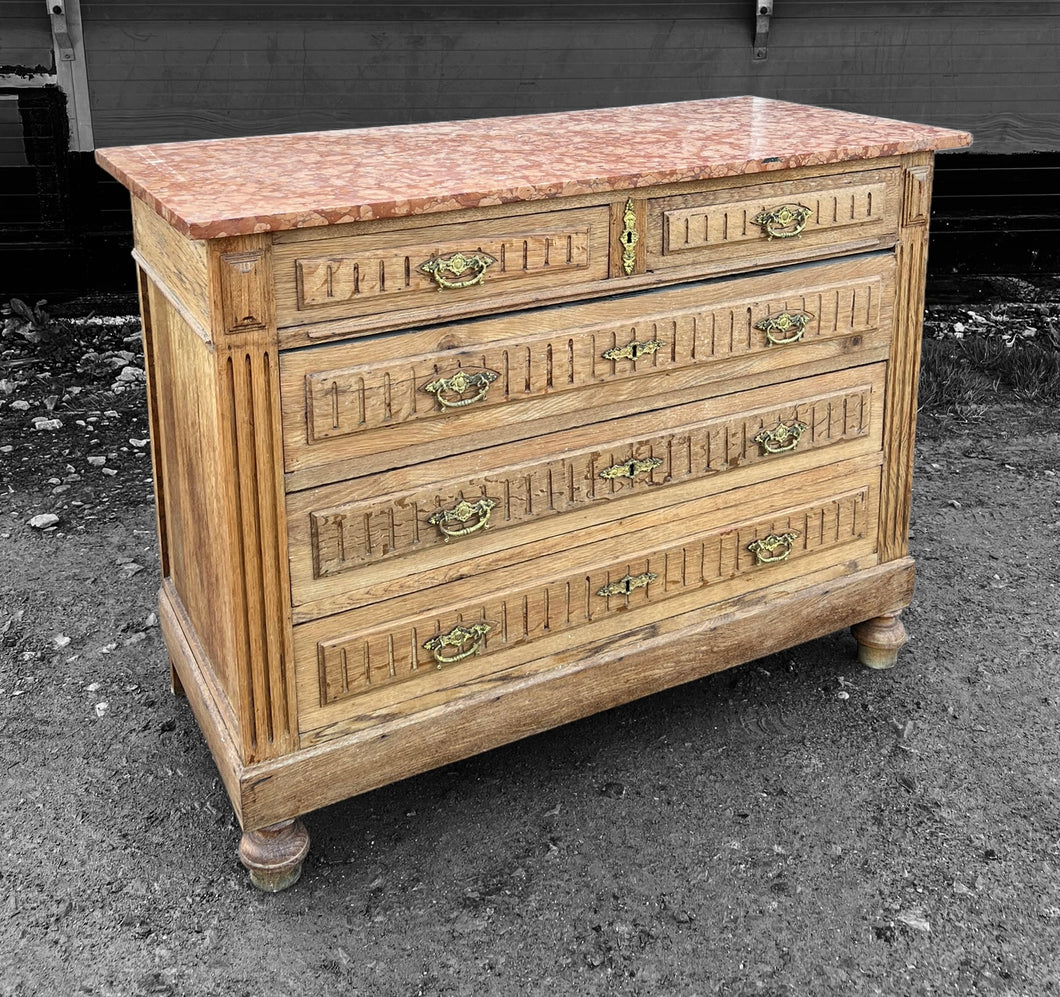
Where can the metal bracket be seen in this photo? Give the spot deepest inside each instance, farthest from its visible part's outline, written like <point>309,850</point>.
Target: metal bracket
<point>71,75</point>
<point>763,12</point>
<point>64,44</point>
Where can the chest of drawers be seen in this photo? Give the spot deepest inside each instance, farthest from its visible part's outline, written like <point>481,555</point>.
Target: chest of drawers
<point>464,431</point>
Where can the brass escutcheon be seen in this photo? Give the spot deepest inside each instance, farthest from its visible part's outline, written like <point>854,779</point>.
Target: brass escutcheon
<point>765,549</point>
<point>458,384</point>
<point>629,238</point>
<point>785,328</point>
<point>632,467</point>
<point>781,438</point>
<point>459,637</point>
<point>627,584</point>
<point>634,350</point>
<point>448,272</point>
<point>463,512</point>
<point>784,222</point>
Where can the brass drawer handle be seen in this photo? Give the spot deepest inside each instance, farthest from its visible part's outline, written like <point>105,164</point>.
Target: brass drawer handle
<point>784,222</point>
<point>634,350</point>
<point>627,584</point>
<point>460,383</point>
<point>457,270</point>
<point>781,438</point>
<point>463,512</point>
<point>459,637</point>
<point>631,468</point>
<point>785,328</point>
<point>765,549</point>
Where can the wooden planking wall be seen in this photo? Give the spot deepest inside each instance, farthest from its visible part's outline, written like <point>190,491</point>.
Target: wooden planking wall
<point>25,36</point>
<point>12,147</point>
<point>34,200</point>
<point>167,71</point>
<point>995,214</point>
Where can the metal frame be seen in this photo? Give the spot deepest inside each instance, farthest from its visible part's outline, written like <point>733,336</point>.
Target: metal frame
<point>760,46</point>
<point>71,73</point>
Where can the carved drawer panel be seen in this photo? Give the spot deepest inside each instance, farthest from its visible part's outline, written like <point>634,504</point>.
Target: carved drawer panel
<point>455,268</point>
<point>761,224</point>
<point>378,656</point>
<point>350,400</point>
<point>450,511</point>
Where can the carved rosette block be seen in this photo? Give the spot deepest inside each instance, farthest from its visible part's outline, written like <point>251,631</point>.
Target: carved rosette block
<point>273,855</point>
<point>879,641</point>
<point>245,292</point>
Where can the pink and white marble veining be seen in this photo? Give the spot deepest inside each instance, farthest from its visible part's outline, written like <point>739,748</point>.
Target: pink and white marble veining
<point>225,187</point>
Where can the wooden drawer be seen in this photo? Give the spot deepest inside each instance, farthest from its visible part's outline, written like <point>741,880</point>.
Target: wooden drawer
<point>375,658</point>
<point>387,273</point>
<point>320,390</point>
<point>381,397</point>
<point>762,224</point>
<point>424,524</point>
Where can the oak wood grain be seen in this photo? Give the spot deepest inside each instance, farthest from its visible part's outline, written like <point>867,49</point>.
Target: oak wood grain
<point>699,552</point>
<point>178,265</point>
<point>383,521</point>
<point>332,638</point>
<point>192,476</point>
<point>198,682</point>
<point>245,378</point>
<point>371,274</point>
<point>574,682</point>
<point>708,226</point>
<point>351,401</point>
<point>903,372</point>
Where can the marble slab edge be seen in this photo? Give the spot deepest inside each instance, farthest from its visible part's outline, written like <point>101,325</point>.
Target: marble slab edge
<point>225,187</point>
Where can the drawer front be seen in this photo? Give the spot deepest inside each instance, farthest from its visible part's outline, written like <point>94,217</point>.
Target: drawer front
<point>762,223</point>
<point>379,656</point>
<point>460,266</point>
<point>349,400</point>
<point>455,510</point>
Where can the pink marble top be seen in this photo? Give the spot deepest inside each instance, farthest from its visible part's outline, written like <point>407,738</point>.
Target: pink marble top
<point>236,186</point>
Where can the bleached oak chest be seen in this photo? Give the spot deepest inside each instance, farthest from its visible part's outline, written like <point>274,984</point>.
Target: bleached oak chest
<point>465,431</point>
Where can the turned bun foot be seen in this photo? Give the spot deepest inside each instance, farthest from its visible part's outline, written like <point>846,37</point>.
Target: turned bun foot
<point>273,855</point>
<point>879,640</point>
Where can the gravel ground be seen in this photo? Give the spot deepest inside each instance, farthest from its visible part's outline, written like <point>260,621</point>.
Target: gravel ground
<point>798,826</point>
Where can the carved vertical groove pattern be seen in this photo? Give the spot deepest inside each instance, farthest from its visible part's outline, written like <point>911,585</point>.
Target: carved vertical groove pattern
<point>352,665</point>
<point>710,225</point>
<point>901,406</point>
<point>266,718</point>
<point>347,536</point>
<point>901,397</point>
<point>331,279</point>
<point>355,399</point>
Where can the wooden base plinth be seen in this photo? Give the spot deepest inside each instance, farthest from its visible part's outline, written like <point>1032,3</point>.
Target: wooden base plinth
<point>879,641</point>
<point>273,855</point>
<point>569,685</point>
